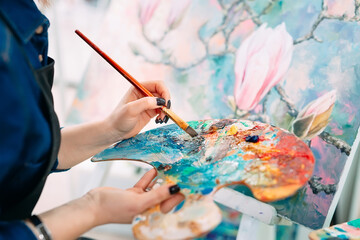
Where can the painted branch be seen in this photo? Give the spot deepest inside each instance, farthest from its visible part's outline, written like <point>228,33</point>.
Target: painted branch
<point>165,59</point>
<point>323,15</point>
<point>338,143</point>
<point>310,35</point>
<point>357,7</point>
<point>253,16</point>
<point>317,187</point>
<point>292,109</point>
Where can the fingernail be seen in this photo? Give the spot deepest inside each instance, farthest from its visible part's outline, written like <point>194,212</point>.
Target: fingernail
<point>160,101</point>
<point>166,119</point>
<point>253,138</point>
<point>156,120</point>
<point>168,104</point>
<point>160,121</point>
<point>174,189</point>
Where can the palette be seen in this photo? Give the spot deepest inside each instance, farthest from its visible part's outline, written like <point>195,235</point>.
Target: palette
<point>349,230</point>
<point>271,162</point>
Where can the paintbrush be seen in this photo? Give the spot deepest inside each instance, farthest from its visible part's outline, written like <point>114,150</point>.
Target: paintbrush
<point>181,123</point>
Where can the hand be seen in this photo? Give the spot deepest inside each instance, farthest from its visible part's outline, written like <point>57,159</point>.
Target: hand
<point>135,111</point>
<point>121,206</point>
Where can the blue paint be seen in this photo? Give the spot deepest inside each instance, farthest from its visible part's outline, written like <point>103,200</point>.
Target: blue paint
<point>339,229</point>
<point>206,191</point>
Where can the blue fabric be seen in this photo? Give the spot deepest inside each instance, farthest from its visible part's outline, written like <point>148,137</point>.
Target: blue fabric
<point>25,137</point>
<point>15,230</point>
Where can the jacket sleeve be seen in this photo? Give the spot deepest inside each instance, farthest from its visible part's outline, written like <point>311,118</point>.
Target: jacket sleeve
<point>15,230</point>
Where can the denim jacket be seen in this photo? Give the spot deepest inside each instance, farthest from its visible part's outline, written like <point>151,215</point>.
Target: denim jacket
<point>25,136</point>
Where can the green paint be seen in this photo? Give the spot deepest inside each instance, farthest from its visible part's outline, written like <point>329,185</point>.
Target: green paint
<point>188,170</point>
<point>194,124</point>
<point>245,124</point>
<point>206,124</point>
<point>355,223</point>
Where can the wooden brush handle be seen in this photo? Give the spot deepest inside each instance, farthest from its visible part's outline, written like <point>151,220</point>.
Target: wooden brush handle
<point>118,68</point>
<point>181,123</point>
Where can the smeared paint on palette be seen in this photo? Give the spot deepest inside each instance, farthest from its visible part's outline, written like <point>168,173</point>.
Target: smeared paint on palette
<point>349,230</point>
<point>273,163</point>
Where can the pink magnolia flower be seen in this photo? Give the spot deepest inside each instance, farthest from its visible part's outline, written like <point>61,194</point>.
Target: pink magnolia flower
<point>147,9</point>
<point>177,12</point>
<point>261,62</point>
<point>313,119</point>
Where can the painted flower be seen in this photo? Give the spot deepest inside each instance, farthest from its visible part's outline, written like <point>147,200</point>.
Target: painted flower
<point>147,9</point>
<point>261,62</point>
<point>177,12</point>
<point>313,119</point>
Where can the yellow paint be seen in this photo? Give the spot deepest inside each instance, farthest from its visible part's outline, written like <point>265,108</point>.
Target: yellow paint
<point>170,180</point>
<point>233,130</point>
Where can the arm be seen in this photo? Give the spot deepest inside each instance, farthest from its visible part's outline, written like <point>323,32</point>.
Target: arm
<point>80,142</point>
<point>108,205</point>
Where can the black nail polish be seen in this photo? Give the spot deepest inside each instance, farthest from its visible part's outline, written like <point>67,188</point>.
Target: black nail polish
<point>253,139</point>
<point>156,120</point>
<point>166,119</point>
<point>160,121</point>
<point>174,189</point>
<point>160,101</point>
<point>168,104</point>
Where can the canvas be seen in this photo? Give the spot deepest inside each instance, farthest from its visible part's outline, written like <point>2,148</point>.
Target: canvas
<point>293,64</point>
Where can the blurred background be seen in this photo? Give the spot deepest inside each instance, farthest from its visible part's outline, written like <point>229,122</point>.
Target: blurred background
<point>73,58</point>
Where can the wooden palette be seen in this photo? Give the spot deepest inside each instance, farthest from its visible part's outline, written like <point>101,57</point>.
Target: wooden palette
<point>271,162</point>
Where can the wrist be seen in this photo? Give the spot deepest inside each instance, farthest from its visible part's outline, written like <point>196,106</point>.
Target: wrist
<point>112,133</point>
<point>39,228</point>
<point>93,199</point>
<point>31,226</point>
<point>104,132</point>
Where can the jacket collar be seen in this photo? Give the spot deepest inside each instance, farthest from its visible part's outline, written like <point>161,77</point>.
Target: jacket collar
<point>23,17</point>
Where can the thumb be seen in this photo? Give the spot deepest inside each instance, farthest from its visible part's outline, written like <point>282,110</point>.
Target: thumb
<point>146,103</point>
<point>158,195</point>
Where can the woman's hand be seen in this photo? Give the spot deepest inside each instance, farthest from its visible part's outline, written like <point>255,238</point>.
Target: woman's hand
<point>82,141</point>
<point>135,110</point>
<point>114,205</point>
<point>108,205</point>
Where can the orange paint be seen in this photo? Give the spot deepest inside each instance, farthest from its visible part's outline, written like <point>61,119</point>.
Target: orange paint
<point>249,156</point>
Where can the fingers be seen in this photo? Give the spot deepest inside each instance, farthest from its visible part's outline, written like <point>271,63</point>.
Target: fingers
<point>170,203</point>
<point>160,91</point>
<point>158,88</point>
<point>147,103</point>
<point>156,196</point>
<point>144,182</point>
<point>165,119</point>
<point>151,185</point>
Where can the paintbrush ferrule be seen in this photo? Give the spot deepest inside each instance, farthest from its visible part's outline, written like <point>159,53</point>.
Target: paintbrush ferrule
<point>181,123</point>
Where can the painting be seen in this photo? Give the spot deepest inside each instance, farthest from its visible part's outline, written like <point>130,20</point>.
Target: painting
<point>271,162</point>
<point>291,64</point>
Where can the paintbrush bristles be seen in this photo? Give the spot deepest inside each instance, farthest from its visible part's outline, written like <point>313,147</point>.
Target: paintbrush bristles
<point>191,131</point>
<point>181,123</point>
